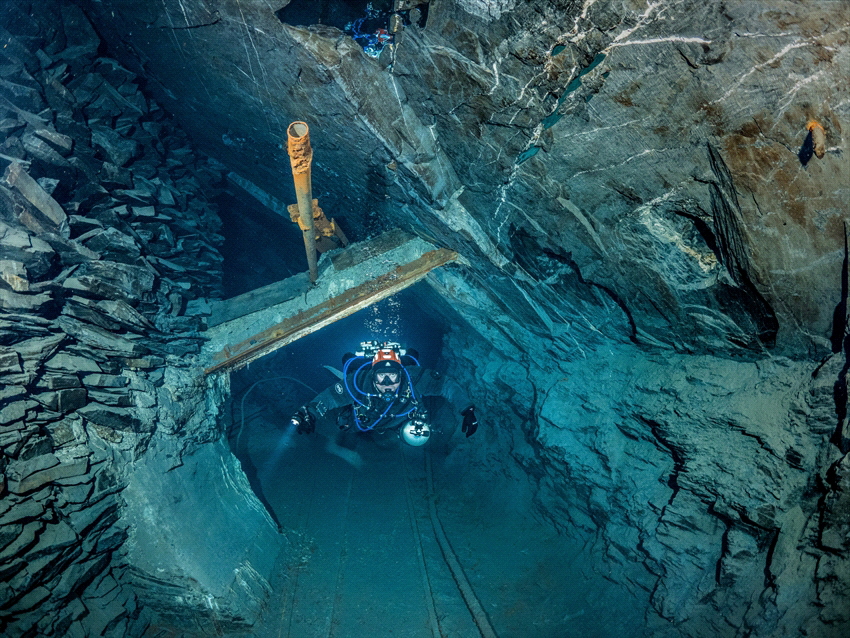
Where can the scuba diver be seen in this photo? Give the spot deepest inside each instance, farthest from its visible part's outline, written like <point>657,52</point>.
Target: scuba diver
<point>383,391</point>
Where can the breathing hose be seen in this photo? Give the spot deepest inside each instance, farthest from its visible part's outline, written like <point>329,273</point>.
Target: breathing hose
<point>363,393</point>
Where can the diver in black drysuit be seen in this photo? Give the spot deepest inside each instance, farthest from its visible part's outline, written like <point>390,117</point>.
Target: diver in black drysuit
<point>382,396</point>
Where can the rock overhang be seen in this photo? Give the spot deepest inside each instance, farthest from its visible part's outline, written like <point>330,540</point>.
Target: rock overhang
<point>622,122</point>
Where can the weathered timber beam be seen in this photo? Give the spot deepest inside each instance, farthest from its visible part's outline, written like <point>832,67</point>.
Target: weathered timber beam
<point>304,322</point>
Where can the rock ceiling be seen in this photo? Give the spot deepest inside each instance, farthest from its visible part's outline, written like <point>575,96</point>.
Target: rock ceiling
<point>650,150</point>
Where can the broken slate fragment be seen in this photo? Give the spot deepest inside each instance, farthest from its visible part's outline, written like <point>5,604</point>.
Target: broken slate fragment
<point>114,418</point>
<point>115,177</point>
<point>62,401</point>
<point>115,399</point>
<point>105,380</point>
<point>64,362</point>
<point>48,184</point>
<point>55,537</point>
<point>114,245</point>
<point>12,301</point>
<point>79,34</point>
<point>86,310</point>
<point>18,178</point>
<point>63,142</point>
<point>35,350</point>
<point>39,479</point>
<point>71,251</point>
<point>58,382</point>
<point>97,337</point>
<point>40,149</point>
<point>9,124</point>
<point>81,225</point>
<point>11,237</point>
<point>114,73</point>
<point>112,280</point>
<point>9,362</point>
<point>144,211</point>
<point>24,96</point>
<point>14,273</point>
<point>119,149</point>
<point>26,511</point>
<point>126,314</point>
<point>15,411</point>
<point>22,469</point>
<point>31,600</point>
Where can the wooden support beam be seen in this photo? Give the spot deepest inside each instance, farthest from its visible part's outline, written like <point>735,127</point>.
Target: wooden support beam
<point>308,320</point>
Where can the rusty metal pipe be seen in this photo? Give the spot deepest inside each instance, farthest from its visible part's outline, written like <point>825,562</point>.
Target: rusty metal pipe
<point>301,157</point>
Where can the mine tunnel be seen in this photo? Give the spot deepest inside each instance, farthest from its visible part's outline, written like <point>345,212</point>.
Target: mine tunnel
<point>609,239</point>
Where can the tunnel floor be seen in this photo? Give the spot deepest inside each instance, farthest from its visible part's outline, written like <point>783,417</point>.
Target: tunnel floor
<point>363,559</point>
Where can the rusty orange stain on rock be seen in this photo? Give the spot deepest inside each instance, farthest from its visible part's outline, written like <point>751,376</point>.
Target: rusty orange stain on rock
<point>818,137</point>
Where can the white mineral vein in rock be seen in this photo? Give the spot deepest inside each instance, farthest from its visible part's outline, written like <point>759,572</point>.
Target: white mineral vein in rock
<point>456,217</point>
<point>503,198</point>
<point>538,310</point>
<point>594,131</point>
<point>643,19</point>
<point>758,67</point>
<point>671,38</point>
<point>496,76</point>
<point>455,55</point>
<point>792,92</point>
<point>835,256</point>
<point>185,15</point>
<point>573,34</point>
<point>576,211</point>
<point>746,34</point>
<point>487,9</point>
<point>649,151</point>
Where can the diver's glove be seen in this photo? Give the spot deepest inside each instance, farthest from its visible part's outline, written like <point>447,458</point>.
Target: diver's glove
<point>470,423</point>
<point>304,422</point>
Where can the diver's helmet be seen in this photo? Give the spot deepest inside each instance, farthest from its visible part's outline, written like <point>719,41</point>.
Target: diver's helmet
<point>416,432</point>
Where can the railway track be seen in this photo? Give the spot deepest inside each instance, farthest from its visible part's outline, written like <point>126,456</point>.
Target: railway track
<point>371,557</point>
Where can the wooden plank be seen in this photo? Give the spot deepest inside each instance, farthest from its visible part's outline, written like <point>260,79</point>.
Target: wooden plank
<point>235,307</point>
<point>280,291</point>
<point>308,321</point>
<point>360,252</point>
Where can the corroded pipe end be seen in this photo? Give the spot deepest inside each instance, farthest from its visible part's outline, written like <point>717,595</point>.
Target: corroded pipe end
<point>298,147</point>
<point>818,137</point>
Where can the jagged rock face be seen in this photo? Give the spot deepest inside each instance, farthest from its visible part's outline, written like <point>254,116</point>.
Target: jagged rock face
<point>649,231</point>
<point>708,486</point>
<point>651,150</point>
<point>107,248</point>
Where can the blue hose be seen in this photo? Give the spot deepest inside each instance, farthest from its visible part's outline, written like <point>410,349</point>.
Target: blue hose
<point>357,421</point>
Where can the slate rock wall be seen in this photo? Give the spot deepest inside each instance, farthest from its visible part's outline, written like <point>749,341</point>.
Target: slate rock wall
<point>108,252</point>
<point>711,487</point>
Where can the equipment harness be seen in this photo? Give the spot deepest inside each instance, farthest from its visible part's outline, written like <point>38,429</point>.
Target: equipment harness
<point>407,398</point>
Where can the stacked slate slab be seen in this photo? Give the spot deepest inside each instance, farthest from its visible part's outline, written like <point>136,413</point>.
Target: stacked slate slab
<point>108,252</point>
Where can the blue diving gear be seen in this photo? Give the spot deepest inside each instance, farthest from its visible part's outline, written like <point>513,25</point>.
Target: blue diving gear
<point>395,400</point>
